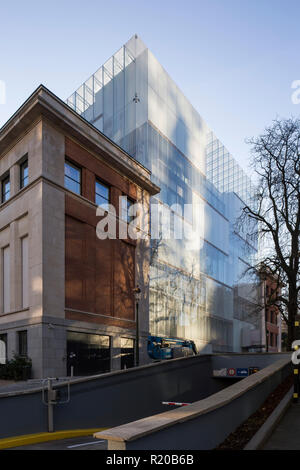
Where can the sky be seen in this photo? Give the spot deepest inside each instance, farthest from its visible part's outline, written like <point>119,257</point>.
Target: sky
<point>235,60</point>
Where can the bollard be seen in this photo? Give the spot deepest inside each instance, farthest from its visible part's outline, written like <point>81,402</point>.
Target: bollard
<point>53,398</point>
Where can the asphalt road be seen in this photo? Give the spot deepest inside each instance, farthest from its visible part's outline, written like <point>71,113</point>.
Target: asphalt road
<point>78,443</point>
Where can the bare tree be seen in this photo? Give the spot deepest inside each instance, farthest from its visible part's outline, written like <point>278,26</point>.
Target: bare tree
<point>275,209</point>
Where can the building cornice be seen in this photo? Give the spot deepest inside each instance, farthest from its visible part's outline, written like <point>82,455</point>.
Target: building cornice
<point>43,103</point>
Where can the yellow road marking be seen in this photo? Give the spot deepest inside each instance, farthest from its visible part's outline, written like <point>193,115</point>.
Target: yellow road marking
<point>27,439</point>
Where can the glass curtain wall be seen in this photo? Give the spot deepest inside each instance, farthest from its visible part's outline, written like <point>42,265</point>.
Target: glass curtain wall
<point>134,102</point>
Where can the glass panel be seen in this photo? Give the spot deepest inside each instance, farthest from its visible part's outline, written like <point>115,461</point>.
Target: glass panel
<point>22,343</point>
<point>125,207</point>
<point>88,353</point>
<point>24,174</point>
<point>138,105</point>
<point>127,353</point>
<point>3,348</point>
<point>5,189</point>
<point>72,178</point>
<point>102,190</point>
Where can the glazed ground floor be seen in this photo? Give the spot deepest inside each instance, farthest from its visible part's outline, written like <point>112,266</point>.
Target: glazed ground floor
<point>58,347</point>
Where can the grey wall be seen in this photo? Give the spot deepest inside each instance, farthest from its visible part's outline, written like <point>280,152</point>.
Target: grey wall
<point>128,395</point>
<point>22,414</point>
<point>118,397</point>
<point>208,430</point>
<point>220,361</point>
<point>111,399</point>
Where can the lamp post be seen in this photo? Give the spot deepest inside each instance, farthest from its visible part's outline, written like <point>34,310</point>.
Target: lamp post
<point>137,295</point>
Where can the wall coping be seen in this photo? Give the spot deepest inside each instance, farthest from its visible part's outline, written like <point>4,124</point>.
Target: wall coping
<point>105,375</point>
<point>132,370</point>
<point>42,102</point>
<point>143,427</point>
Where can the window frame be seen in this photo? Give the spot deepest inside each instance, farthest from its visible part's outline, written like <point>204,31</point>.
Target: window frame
<point>105,185</point>
<point>4,180</point>
<point>76,167</point>
<point>130,218</point>
<point>24,165</point>
<point>22,334</point>
<point>4,338</point>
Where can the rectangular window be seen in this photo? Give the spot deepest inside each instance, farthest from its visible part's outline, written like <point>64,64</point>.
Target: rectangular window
<point>3,348</point>
<point>127,353</point>
<point>24,177</point>
<point>101,195</point>
<point>125,209</point>
<point>24,254</point>
<point>88,353</point>
<point>6,279</point>
<point>22,341</point>
<point>5,189</point>
<point>72,177</point>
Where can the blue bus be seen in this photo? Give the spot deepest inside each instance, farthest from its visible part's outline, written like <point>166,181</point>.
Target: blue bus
<point>160,348</point>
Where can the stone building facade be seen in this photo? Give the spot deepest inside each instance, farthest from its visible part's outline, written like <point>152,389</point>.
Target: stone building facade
<point>66,296</point>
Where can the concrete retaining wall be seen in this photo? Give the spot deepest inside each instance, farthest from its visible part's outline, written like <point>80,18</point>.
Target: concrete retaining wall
<point>204,424</point>
<point>120,397</point>
<point>110,399</point>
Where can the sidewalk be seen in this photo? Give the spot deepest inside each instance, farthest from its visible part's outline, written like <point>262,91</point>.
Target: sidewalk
<point>4,383</point>
<point>7,386</point>
<point>286,435</point>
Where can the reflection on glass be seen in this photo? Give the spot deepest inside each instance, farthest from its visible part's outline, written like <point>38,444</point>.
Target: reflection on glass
<point>101,195</point>
<point>72,178</point>
<point>196,289</point>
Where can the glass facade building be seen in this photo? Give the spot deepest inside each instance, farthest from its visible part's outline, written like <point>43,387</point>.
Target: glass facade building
<point>196,288</point>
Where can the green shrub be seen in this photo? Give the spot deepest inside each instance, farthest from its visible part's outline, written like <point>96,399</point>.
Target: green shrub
<point>18,368</point>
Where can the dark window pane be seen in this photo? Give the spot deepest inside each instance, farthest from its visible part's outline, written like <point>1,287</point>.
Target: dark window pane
<point>22,343</point>
<point>5,189</point>
<point>127,353</point>
<point>88,353</point>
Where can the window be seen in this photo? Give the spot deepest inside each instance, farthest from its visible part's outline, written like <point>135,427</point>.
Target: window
<point>72,178</point>
<point>24,258</point>
<point>88,353</point>
<point>3,348</point>
<point>22,340</point>
<point>5,191</point>
<point>101,195</point>
<point>127,353</point>
<point>24,177</point>
<point>125,208</point>
<point>6,279</point>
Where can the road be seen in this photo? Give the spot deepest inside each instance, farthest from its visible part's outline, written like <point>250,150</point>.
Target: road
<point>78,443</point>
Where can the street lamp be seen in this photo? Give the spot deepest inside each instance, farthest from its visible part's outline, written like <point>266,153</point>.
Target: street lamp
<point>137,295</point>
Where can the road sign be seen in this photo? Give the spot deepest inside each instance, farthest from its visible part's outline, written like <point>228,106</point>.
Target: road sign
<point>231,372</point>
<point>242,372</point>
<point>252,370</point>
<point>174,403</point>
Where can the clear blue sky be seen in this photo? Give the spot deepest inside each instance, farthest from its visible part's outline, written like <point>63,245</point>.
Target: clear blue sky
<point>235,60</point>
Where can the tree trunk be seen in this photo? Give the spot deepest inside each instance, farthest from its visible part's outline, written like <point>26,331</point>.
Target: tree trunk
<point>291,335</point>
<point>292,312</point>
